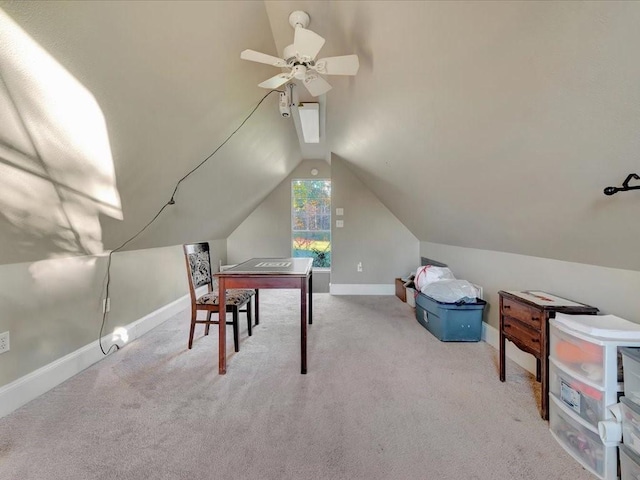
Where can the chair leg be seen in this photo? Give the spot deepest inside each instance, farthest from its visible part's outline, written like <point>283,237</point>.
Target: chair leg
<point>236,339</point>
<point>206,328</point>
<point>193,326</point>
<point>249,316</point>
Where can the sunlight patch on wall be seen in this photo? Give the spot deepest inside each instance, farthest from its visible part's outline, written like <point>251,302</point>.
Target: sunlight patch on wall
<point>61,277</point>
<point>56,168</point>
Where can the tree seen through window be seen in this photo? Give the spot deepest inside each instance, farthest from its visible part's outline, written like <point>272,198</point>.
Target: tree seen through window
<point>311,220</point>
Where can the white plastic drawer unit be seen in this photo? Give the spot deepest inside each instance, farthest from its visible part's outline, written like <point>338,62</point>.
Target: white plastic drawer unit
<point>588,400</point>
<point>582,442</point>
<point>631,424</point>
<point>631,363</point>
<point>629,464</point>
<point>586,346</point>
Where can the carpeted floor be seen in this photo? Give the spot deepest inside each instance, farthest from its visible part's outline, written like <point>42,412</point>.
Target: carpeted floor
<point>383,399</point>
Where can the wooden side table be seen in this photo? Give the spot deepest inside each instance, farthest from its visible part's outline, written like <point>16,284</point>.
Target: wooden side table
<point>524,320</point>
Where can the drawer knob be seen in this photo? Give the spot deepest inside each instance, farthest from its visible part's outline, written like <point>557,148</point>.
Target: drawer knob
<point>535,318</point>
<point>506,307</point>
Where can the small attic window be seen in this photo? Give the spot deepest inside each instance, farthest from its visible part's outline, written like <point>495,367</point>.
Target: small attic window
<point>311,220</point>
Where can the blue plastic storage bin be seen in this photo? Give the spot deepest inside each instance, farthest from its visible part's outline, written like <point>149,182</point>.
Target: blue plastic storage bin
<point>451,322</point>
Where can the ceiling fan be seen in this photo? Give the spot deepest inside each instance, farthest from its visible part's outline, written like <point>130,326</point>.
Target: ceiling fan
<point>300,56</point>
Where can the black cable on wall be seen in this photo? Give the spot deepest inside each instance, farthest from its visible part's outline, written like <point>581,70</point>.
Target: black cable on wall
<point>171,201</point>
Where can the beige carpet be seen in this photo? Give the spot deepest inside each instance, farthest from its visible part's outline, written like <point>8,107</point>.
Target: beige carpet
<point>383,399</point>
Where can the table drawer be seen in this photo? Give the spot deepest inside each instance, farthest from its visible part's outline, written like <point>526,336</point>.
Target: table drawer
<point>526,314</point>
<point>522,335</point>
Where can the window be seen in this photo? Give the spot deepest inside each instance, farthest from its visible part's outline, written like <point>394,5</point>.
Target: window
<point>311,220</point>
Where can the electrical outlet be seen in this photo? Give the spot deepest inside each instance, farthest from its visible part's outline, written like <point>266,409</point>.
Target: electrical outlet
<point>106,305</point>
<point>4,342</point>
<point>359,266</point>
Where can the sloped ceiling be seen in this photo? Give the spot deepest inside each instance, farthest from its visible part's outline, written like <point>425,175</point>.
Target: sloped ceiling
<point>492,125</point>
<point>169,82</point>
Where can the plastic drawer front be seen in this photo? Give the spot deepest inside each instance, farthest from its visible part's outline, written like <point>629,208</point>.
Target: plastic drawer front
<point>581,442</point>
<point>581,358</point>
<point>630,424</point>
<point>450,322</point>
<point>631,368</point>
<point>629,464</point>
<point>587,401</point>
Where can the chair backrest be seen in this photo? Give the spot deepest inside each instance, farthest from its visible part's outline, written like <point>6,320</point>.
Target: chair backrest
<point>198,265</point>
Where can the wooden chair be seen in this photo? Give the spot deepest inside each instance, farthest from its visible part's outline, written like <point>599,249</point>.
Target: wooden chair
<point>199,274</point>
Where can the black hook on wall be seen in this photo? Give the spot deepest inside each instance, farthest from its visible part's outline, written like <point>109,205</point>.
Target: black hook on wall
<point>625,185</point>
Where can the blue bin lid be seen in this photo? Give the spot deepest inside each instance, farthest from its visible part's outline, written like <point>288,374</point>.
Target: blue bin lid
<point>476,304</point>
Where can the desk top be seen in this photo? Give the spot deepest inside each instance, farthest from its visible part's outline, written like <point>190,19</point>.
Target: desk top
<point>271,266</point>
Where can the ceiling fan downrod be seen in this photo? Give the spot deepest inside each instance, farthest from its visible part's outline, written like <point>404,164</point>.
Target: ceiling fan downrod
<point>299,19</point>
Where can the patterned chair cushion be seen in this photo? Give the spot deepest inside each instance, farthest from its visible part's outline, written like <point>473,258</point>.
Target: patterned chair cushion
<point>234,297</point>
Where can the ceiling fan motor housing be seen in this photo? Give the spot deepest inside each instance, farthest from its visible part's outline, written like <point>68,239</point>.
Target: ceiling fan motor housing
<point>299,71</point>
<point>292,57</point>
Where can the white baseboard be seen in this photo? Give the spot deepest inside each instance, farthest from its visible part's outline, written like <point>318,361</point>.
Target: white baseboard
<point>492,337</point>
<point>24,389</point>
<point>361,289</point>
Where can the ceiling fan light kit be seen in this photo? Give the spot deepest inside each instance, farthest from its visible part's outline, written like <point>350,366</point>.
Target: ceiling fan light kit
<point>284,104</point>
<point>300,59</point>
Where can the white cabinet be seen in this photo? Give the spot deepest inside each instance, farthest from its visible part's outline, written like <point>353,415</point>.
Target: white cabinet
<point>585,378</point>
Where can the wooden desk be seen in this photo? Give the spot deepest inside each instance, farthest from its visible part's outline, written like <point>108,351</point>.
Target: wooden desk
<point>259,273</point>
<point>524,320</point>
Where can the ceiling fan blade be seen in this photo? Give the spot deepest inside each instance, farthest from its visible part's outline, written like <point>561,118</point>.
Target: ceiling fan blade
<point>307,43</point>
<point>316,85</point>
<point>275,82</point>
<point>344,65</point>
<point>254,56</point>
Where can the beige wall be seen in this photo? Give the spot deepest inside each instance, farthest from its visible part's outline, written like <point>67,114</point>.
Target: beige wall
<point>371,234</point>
<point>54,307</point>
<point>613,291</point>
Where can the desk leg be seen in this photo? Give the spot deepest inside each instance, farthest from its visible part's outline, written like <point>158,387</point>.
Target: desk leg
<point>257,307</point>
<point>310,297</point>
<point>222,327</point>
<point>303,325</point>
<point>502,339</point>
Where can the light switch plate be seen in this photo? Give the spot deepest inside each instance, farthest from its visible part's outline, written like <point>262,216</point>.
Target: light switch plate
<point>339,223</point>
<point>339,212</point>
<point>4,342</point>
